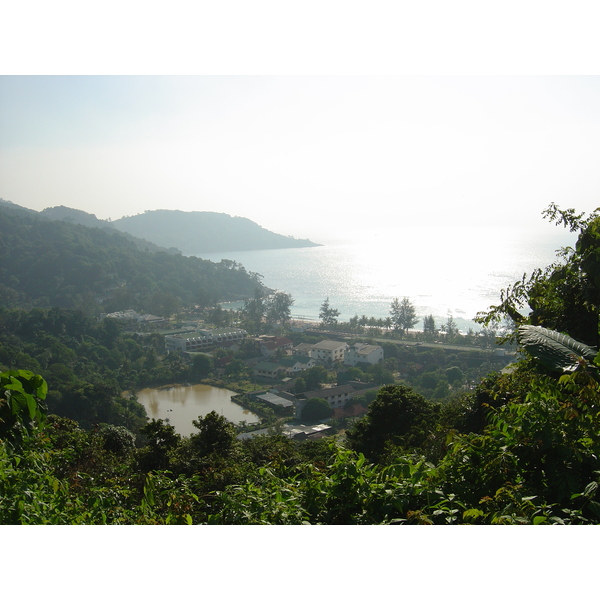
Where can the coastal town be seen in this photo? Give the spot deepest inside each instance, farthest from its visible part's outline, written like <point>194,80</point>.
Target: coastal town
<point>301,382</point>
<point>276,365</point>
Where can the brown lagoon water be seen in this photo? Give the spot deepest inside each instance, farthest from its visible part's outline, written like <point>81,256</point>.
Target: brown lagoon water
<point>182,404</point>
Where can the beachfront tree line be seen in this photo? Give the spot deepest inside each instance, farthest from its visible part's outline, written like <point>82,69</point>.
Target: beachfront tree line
<point>273,311</point>
<point>263,312</point>
<point>403,316</point>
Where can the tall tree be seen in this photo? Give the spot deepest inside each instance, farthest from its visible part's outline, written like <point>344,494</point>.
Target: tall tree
<point>398,415</point>
<point>450,327</point>
<point>279,308</point>
<point>429,325</point>
<point>216,434</point>
<point>403,314</point>
<point>353,322</point>
<point>254,310</point>
<point>328,315</point>
<point>316,409</point>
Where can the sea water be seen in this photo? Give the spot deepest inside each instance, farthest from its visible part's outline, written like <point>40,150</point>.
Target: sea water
<point>444,272</point>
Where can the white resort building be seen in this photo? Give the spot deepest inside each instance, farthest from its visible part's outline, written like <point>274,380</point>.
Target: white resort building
<point>202,339</point>
<point>329,351</point>
<point>363,353</point>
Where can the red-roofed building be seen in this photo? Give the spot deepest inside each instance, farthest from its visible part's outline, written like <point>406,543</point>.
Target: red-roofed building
<point>356,410</point>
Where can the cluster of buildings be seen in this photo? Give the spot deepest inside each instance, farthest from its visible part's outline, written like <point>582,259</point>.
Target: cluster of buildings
<point>200,340</point>
<point>337,397</point>
<point>278,363</point>
<point>291,359</point>
<point>327,352</point>
<point>305,356</point>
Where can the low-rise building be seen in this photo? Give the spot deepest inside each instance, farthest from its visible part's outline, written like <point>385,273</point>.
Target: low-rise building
<point>275,400</point>
<point>303,349</point>
<point>356,410</point>
<point>270,344</point>
<point>297,364</point>
<point>363,353</point>
<point>269,370</point>
<point>201,339</point>
<point>298,432</point>
<point>151,319</point>
<point>336,396</point>
<point>122,315</point>
<point>329,351</point>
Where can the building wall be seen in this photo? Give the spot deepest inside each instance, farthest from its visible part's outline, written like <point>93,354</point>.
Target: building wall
<point>203,339</point>
<point>329,355</point>
<point>353,356</point>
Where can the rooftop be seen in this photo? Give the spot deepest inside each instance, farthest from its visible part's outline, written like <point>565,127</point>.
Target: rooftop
<point>288,430</point>
<point>352,411</point>
<point>339,390</point>
<point>328,345</point>
<point>275,399</point>
<point>365,348</point>
<point>268,366</point>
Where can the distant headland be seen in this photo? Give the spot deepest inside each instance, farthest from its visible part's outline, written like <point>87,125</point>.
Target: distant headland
<point>199,232</point>
<point>191,233</point>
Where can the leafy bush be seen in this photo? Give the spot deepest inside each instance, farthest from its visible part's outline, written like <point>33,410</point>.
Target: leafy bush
<point>117,439</point>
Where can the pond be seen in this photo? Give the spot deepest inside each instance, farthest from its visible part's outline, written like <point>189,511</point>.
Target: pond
<point>182,404</point>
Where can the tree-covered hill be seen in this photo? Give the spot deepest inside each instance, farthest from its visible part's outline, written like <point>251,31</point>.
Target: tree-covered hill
<point>80,217</point>
<point>56,263</point>
<point>204,232</point>
<point>76,216</point>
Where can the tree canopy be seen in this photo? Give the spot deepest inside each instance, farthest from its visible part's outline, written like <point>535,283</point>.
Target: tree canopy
<point>564,296</point>
<point>328,315</point>
<point>316,409</point>
<point>398,416</point>
<point>403,314</point>
<point>59,264</point>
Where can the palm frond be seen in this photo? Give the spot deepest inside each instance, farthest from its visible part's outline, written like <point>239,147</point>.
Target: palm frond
<point>557,351</point>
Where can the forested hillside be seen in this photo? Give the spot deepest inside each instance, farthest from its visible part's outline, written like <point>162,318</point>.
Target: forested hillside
<point>80,217</point>
<point>204,232</point>
<point>56,263</point>
<point>88,363</point>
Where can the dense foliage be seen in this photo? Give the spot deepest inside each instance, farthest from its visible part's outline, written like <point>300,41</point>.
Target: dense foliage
<point>89,364</point>
<point>72,266</point>
<point>565,296</point>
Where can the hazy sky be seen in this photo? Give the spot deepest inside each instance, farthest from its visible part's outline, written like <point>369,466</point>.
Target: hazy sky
<point>308,156</point>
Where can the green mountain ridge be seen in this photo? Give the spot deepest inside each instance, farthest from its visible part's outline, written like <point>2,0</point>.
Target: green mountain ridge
<point>46,263</point>
<point>198,232</point>
<point>80,217</point>
<point>176,231</point>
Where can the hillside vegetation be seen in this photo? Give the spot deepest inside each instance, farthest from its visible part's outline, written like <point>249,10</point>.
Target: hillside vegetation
<point>57,263</point>
<point>197,233</point>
